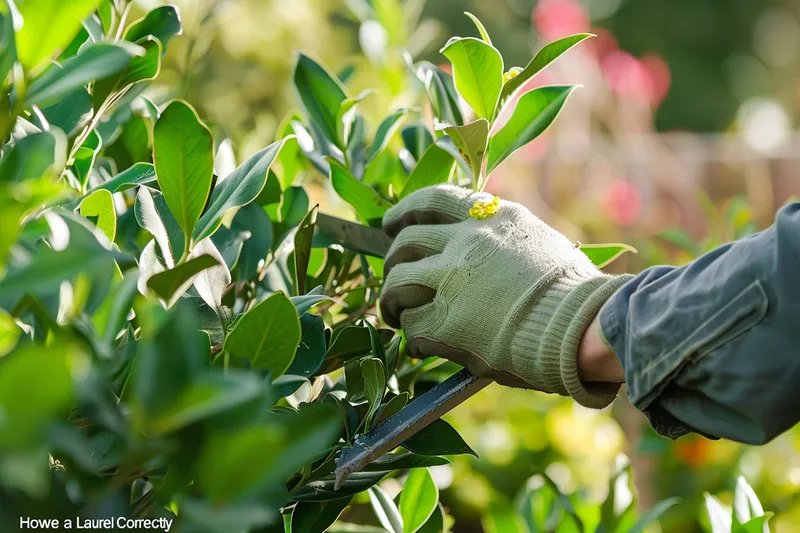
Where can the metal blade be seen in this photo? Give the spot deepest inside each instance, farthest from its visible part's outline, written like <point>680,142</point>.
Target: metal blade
<point>393,431</point>
<point>351,235</point>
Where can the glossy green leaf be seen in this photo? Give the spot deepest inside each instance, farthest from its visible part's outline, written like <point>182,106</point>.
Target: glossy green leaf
<point>267,335</point>
<point>385,510</point>
<point>99,207</point>
<point>374,385</point>
<point>183,151</point>
<point>143,68</point>
<point>152,214</point>
<point>416,138</point>
<point>311,350</point>
<point>434,168</point>
<point>85,157</point>
<point>32,156</point>
<point>393,406</point>
<point>386,131</point>
<point>70,111</point>
<point>94,62</point>
<point>477,72</point>
<point>316,517</point>
<point>302,249</point>
<point>211,283</point>
<point>368,204</point>
<point>163,23</point>
<point>604,254</point>
<point>534,113</point>
<point>471,140</point>
<point>39,38</point>
<point>404,461</point>
<point>138,174</point>
<point>438,438</point>
<point>441,92</point>
<point>480,27</point>
<point>170,284</point>
<point>541,60</point>
<point>238,189</point>
<point>305,302</point>
<point>321,95</point>
<point>755,525</point>
<point>322,489</point>
<point>418,500</point>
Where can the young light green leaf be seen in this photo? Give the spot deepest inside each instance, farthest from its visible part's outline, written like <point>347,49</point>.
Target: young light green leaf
<point>163,23</point>
<point>386,131</point>
<point>605,254</point>
<point>418,500</point>
<point>169,285</point>
<point>267,335</point>
<point>385,509</point>
<point>316,517</point>
<point>369,206</point>
<point>502,518</point>
<point>85,157</point>
<point>479,25</point>
<point>719,518</point>
<point>434,168</point>
<point>542,59</point>
<point>534,113</point>
<point>238,189</point>
<point>94,62</point>
<point>471,140</point>
<point>374,386</point>
<point>321,94</point>
<point>183,150</point>
<point>302,250</point>
<point>99,207</point>
<point>756,525</point>
<point>477,72</point>
<point>39,38</point>
<point>438,438</point>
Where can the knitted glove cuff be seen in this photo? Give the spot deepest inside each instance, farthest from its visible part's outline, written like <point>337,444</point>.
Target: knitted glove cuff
<point>558,321</point>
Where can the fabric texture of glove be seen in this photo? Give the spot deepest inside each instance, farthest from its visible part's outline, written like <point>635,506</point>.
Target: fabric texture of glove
<point>506,296</point>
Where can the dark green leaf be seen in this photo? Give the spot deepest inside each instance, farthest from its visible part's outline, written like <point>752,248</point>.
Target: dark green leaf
<point>543,58</point>
<point>604,254</point>
<point>184,160</point>
<point>418,500</point>
<point>94,62</point>
<point>142,68</point>
<point>347,343</point>
<point>534,113</point>
<point>391,407</point>
<point>404,461</point>
<point>316,517</point>
<point>302,250</point>
<point>32,156</point>
<point>321,95</point>
<point>477,72</point>
<point>257,247</point>
<point>438,438</point>
<point>385,132</point>
<point>434,168</point>
<point>70,111</point>
<point>163,23</point>
<point>374,385</point>
<point>170,284</point>
<point>267,335</point>
<point>322,489</point>
<point>312,347</point>
<point>307,301</point>
<point>435,523</point>
<point>416,138</point>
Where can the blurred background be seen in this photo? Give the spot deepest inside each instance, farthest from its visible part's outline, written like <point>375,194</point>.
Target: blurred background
<point>683,137</point>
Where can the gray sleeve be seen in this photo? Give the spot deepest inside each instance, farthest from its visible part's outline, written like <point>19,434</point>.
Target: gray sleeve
<point>713,347</point>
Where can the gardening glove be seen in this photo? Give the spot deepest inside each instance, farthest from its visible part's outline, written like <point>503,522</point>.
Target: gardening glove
<point>485,283</point>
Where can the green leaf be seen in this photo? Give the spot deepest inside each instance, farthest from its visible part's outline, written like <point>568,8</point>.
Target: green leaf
<point>542,59</point>
<point>418,500</point>
<point>263,455</point>
<point>441,92</point>
<point>479,25</point>
<point>745,502</point>
<point>438,438</point>
<point>138,174</point>
<point>756,525</point>
<point>70,111</point>
<point>502,518</point>
<point>322,489</point>
<point>183,150</point>
<point>85,157</point>
<point>27,409</point>
<point>238,189</point>
<point>435,523</point>
<point>404,461</point>
<point>163,23</point>
<point>307,301</point>
<point>10,332</point>
<point>321,94</point>
<point>346,116</point>
<point>604,254</point>
<point>267,335</point>
<point>49,26</point>
<point>434,168</point>
<point>32,156</point>
<point>302,249</point>
<point>94,62</point>
<point>477,72</point>
<point>8,49</point>
<point>534,113</point>
<point>312,347</point>
<point>393,406</point>
<point>471,140</point>
<point>100,206</point>
<point>374,386</point>
<point>211,283</point>
<point>369,206</point>
<point>348,342</point>
<point>385,510</point>
<point>170,284</point>
<point>720,520</point>
<point>386,131</point>
<point>152,214</point>
<point>654,514</point>
<point>416,138</point>
<point>142,68</point>
<point>316,517</point>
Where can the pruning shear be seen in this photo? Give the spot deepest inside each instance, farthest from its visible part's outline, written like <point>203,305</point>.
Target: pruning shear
<point>422,410</point>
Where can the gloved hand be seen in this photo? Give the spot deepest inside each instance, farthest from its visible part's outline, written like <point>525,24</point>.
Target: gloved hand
<point>493,288</point>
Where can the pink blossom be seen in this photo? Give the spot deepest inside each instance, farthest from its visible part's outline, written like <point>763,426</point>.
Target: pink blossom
<point>622,202</point>
<point>555,19</point>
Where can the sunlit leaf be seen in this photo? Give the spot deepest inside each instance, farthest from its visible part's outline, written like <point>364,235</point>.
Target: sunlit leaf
<point>368,204</point>
<point>477,72</point>
<point>418,500</point>
<point>99,207</point>
<point>385,510</point>
<point>604,254</point>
